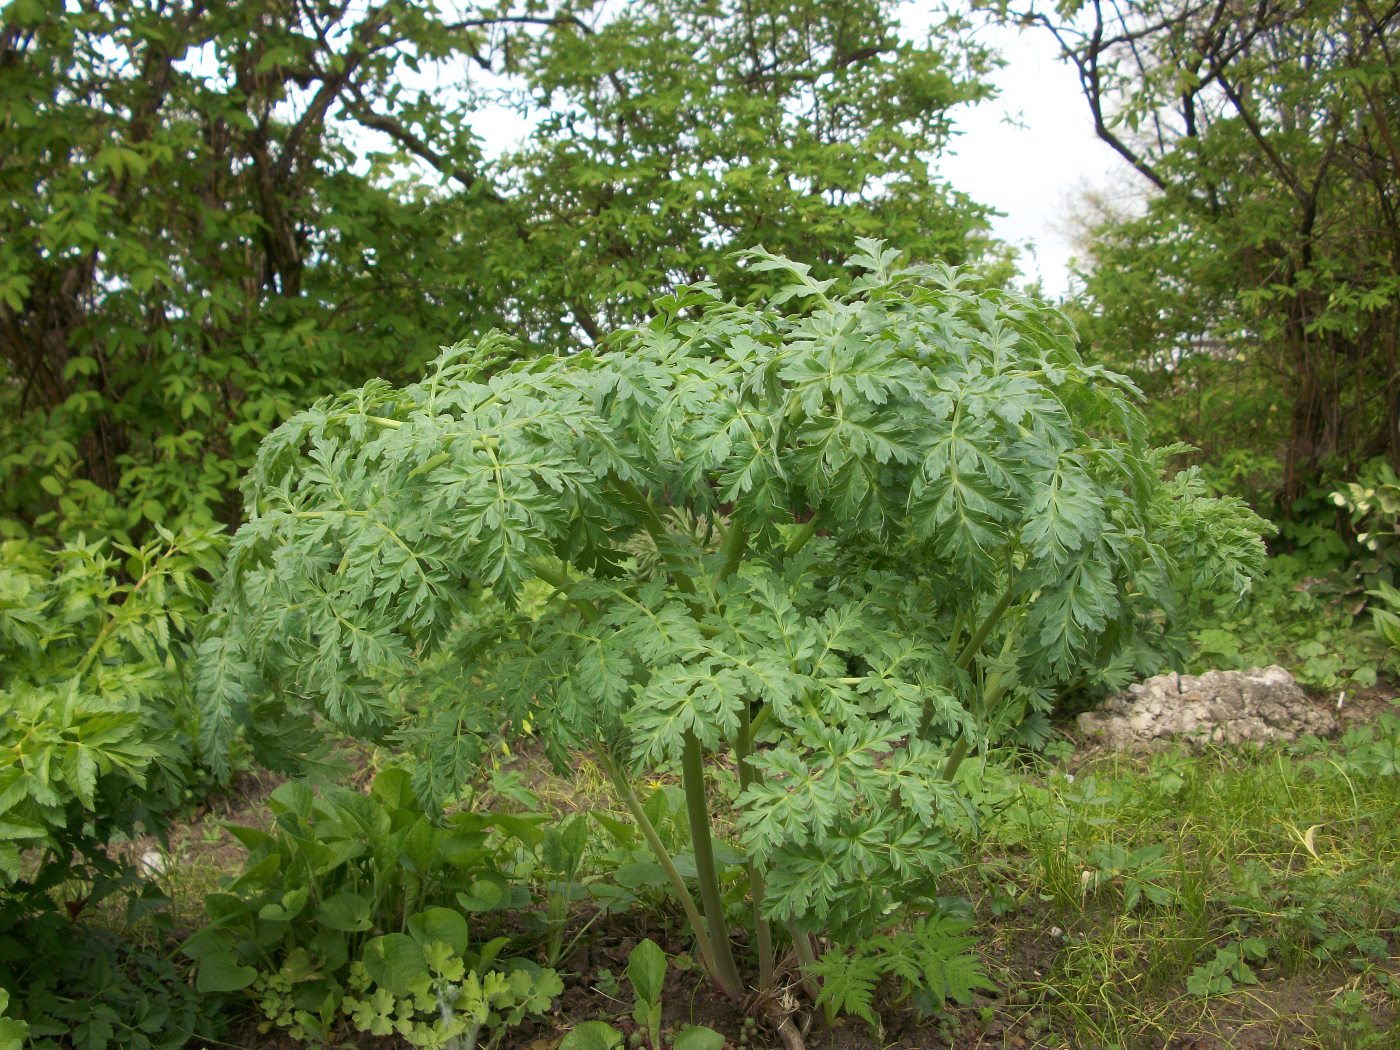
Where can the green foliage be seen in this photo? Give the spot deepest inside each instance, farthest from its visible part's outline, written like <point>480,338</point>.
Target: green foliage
<point>94,711</point>
<point>929,964</point>
<point>313,930</point>
<point>85,986</point>
<point>634,875</point>
<point>921,504</point>
<point>186,252</point>
<point>592,1035</point>
<point>1281,859</point>
<point>646,973</point>
<point>1230,967</point>
<point>1373,503</point>
<point>12,1031</point>
<point>97,726</point>
<point>1257,291</point>
<point>1302,614</point>
<point>1368,751</point>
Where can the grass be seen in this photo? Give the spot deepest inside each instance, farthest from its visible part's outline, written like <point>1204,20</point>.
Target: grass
<point>1235,898</point>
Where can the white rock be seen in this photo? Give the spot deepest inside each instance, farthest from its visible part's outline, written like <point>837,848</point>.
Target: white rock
<point>1223,707</point>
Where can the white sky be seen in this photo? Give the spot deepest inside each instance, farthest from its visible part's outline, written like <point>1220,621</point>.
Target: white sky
<point>1030,153</point>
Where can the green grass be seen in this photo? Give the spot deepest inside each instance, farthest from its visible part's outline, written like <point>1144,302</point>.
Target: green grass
<point>1249,898</point>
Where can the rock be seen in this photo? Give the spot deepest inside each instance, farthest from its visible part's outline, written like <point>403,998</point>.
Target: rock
<point>1218,707</point>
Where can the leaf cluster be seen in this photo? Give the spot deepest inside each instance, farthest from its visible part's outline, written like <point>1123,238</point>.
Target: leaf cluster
<point>351,909</point>
<point>95,713</point>
<point>929,961</point>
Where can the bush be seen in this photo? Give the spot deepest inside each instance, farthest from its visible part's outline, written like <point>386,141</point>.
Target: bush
<point>95,709</point>
<point>840,537</point>
<point>97,725</point>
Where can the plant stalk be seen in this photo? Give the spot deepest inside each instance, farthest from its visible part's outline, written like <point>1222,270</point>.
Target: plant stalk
<point>558,578</point>
<point>658,848</point>
<point>763,933</point>
<point>993,692</point>
<point>693,778</point>
<point>806,956</point>
<point>733,545</point>
<point>974,643</point>
<point>800,537</point>
<point>965,658</point>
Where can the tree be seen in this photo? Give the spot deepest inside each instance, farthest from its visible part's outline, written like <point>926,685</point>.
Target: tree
<point>681,131</point>
<point>213,213</point>
<point>1269,134</point>
<point>185,250</point>
<point>843,536</point>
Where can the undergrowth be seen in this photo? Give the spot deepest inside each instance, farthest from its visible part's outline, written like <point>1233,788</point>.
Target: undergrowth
<point>1235,895</point>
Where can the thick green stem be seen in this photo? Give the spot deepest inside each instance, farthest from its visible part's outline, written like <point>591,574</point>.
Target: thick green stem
<point>985,627</point>
<point>800,537</point>
<point>732,548</point>
<point>658,848</point>
<point>955,758</point>
<point>996,686</point>
<point>806,956</point>
<point>969,653</point>
<point>557,577</point>
<point>693,778</point>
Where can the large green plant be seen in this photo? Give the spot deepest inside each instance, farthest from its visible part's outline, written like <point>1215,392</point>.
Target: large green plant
<point>833,536</point>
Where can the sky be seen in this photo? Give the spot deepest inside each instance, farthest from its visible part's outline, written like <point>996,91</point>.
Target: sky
<point>1031,153</point>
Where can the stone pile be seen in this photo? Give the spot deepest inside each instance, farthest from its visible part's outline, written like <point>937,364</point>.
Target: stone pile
<point>1218,707</point>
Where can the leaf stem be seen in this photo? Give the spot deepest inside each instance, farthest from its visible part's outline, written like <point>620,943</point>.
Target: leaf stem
<point>558,578</point>
<point>763,932</point>
<point>735,542</point>
<point>964,661</point>
<point>985,627</point>
<point>806,956</point>
<point>663,857</point>
<point>697,810</point>
<point>800,537</point>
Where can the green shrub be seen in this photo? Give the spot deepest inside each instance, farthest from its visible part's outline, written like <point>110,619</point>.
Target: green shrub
<point>97,727</point>
<point>94,709</point>
<point>837,536</point>
<point>1374,505</point>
